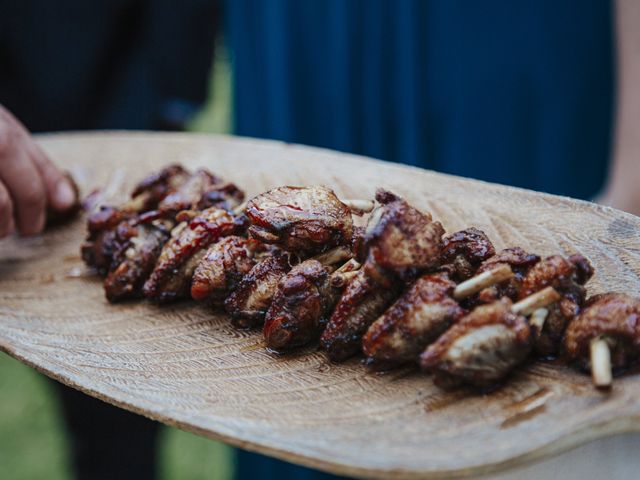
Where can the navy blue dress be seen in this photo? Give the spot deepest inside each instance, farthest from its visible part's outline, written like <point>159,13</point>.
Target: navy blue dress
<point>511,92</point>
<point>519,93</point>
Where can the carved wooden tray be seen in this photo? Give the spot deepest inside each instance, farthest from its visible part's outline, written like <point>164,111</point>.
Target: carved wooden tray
<point>186,366</point>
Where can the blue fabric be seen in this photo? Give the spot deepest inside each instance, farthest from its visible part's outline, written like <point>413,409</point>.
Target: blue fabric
<point>512,92</point>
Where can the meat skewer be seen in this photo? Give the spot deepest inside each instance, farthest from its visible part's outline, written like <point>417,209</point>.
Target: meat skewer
<point>223,266</point>
<point>399,243</point>
<point>171,277</point>
<point>304,298</point>
<point>484,346</point>
<point>305,220</point>
<point>605,336</point>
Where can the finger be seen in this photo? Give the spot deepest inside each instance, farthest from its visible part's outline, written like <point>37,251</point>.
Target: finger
<point>6,212</point>
<point>22,180</point>
<point>61,195</point>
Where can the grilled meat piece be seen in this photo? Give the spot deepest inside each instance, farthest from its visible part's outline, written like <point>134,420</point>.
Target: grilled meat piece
<point>249,302</point>
<point>415,320</point>
<point>304,220</point>
<point>361,303</point>
<point>201,190</point>
<point>139,246</point>
<point>171,277</point>
<point>520,263</point>
<point>100,245</point>
<point>465,251</point>
<point>222,267</point>
<point>480,349</point>
<point>400,241</point>
<point>567,276</point>
<point>616,318</point>
<point>300,307</point>
<point>153,189</point>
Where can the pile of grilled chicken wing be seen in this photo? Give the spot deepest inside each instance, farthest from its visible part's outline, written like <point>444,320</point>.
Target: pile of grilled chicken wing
<point>399,291</point>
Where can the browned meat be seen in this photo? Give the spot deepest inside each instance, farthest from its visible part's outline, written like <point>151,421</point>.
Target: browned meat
<point>520,263</point>
<point>171,277</point>
<point>139,246</point>
<point>101,244</point>
<point>221,195</point>
<point>300,307</point>
<point>222,267</point>
<point>158,185</point>
<point>465,251</point>
<point>481,349</point>
<point>249,302</point>
<point>361,303</point>
<point>98,249</point>
<point>567,276</point>
<point>300,219</point>
<point>400,241</point>
<point>201,190</point>
<point>415,320</point>
<point>615,317</point>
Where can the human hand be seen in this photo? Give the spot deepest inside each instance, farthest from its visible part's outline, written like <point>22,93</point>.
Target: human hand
<point>29,182</point>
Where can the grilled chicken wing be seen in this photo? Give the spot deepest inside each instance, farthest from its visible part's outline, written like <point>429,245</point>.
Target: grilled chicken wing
<point>416,319</point>
<point>249,302</point>
<point>300,307</point>
<point>480,349</point>
<point>520,263</point>
<point>222,267</point>
<point>361,303</point>
<point>615,317</point>
<point>139,246</point>
<point>400,241</point>
<point>304,220</point>
<point>171,277</point>
<point>567,276</point>
<point>464,251</point>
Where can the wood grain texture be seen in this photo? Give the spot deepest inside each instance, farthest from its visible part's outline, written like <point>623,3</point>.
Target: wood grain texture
<point>186,366</point>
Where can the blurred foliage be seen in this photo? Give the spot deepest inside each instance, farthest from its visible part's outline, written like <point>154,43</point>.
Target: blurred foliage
<point>33,442</point>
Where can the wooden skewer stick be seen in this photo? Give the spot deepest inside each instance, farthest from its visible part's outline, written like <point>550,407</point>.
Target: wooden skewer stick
<point>540,299</point>
<point>359,206</point>
<point>333,256</point>
<point>350,266</point>
<point>239,209</point>
<point>484,280</point>
<point>600,363</point>
<point>538,317</point>
<point>340,279</point>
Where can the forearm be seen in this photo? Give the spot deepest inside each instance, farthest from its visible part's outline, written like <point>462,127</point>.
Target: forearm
<point>623,186</point>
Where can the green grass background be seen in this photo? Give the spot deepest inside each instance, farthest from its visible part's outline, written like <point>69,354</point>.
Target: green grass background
<point>33,442</point>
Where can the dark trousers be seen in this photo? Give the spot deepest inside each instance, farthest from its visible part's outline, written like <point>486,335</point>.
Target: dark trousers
<point>110,443</point>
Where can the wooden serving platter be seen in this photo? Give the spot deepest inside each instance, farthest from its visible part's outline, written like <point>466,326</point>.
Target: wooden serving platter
<point>186,366</point>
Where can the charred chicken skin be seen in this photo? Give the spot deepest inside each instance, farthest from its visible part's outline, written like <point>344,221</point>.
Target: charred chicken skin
<point>520,263</point>
<point>304,298</point>
<point>481,349</point>
<point>361,303</point>
<point>139,248</point>
<point>416,319</point>
<point>400,242</point>
<point>567,276</point>
<point>614,317</point>
<point>464,251</point>
<point>222,267</point>
<point>304,220</point>
<point>249,302</point>
<point>171,277</point>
